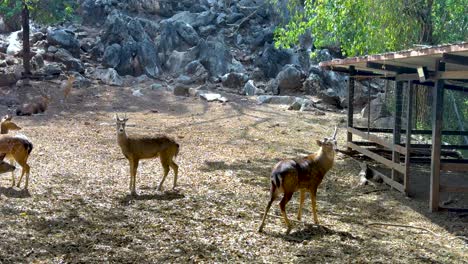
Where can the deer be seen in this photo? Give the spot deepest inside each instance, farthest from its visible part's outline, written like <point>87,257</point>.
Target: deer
<point>6,125</point>
<point>136,148</point>
<point>6,167</point>
<point>39,105</point>
<point>18,147</point>
<point>67,87</point>
<point>301,174</point>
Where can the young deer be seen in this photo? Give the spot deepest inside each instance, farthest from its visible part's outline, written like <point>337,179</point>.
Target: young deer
<point>135,148</point>
<point>301,174</point>
<point>67,87</point>
<point>7,125</point>
<point>6,167</point>
<point>18,147</point>
<point>38,106</point>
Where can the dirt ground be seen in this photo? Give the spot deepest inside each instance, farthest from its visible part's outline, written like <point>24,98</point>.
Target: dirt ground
<point>77,208</point>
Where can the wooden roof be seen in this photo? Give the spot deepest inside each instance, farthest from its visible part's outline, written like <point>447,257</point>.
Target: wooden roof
<point>389,64</point>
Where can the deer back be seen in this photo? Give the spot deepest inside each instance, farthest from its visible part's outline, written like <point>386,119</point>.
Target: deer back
<point>145,147</point>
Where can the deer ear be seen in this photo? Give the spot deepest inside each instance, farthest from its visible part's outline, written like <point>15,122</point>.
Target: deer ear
<point>319,142</point>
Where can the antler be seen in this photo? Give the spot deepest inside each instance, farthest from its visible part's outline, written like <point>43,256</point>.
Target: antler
<point>334,133</point>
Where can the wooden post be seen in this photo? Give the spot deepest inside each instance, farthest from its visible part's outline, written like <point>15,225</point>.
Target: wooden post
<point>437,116</point>
<point>352,72</point>
<point>397,125</point>
<point>409,126</point>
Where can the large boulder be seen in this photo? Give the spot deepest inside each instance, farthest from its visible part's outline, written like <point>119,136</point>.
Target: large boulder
<point>272,60</point>
<point>108,76</point>
<point>130,49</point>
<point>111,57</point>
<point>176,35</point>
<point>94,12</point>
<point>71,63</point>
<point>65,39</point>
<point>215,57</point>
<point>290,78</point>
<point>177,61</point>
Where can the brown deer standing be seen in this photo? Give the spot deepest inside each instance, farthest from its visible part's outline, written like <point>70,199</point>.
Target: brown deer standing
<point>18,147</point>
<point>7,125</point>
<point>67,87</point>
<point>301,174</point>
<point>135,148</point>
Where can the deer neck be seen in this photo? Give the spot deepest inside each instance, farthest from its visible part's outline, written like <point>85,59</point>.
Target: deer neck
<point>325,158</point>
<point>122,139</point>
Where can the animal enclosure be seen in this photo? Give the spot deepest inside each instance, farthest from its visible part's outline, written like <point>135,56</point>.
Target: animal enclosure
<point>420,119</point>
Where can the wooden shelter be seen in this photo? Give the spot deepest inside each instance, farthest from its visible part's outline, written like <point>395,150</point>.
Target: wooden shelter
<point>441,68</point>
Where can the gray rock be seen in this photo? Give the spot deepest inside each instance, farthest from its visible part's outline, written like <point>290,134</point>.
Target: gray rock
<point>290,78</point>
<point>234,80</point>
<point>52,69</point>
<point>272,60</point>
<point>250,89</point>
<point>71,63</point>
<point>184,79</point>
<point>197,72</point>
<point>94,12</point>
<point>52,49</point>
<point>65,39</point>
<point>329,96</point>
<point>156,86</point>
<point>215,57</point>
<point>273,87</point>
<point>271,99</point>
<point>313,84</point>
<point>111,56</point>
<point>108,76</point>
<point>177,61</point>
<point>176,35</point>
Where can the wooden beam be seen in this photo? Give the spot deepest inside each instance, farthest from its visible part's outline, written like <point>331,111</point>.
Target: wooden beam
<point>378,140</point>
<point>455,59</point>
<point>453,189</point>
<point>437,116</point>
<point>454,166</point>
<point>390,68</point>
<point>452,75</point>
<point>350,101</point>
<point>409,126</point>
<point>387,180</point>
<point>377,157</point>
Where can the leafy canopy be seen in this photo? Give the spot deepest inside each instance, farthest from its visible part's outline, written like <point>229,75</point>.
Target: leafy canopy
<point>373,26</point>
<point>41,11</point>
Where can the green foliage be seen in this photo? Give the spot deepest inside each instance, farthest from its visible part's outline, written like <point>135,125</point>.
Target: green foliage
<point>372,26</point>
<point>41,11</point>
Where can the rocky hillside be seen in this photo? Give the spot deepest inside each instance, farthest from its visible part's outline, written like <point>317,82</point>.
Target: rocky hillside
<point>208,44</point>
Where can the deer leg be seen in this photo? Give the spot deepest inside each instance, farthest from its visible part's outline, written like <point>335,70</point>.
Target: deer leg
<point>301,204</point>
<point>284,201</point>
<point>21,159</point>
<point>313,200</point>
<point>175,169</point>
<point>133,179</point>
<point>12,162</point>
<point>272,199</point>
<point>165,164</point>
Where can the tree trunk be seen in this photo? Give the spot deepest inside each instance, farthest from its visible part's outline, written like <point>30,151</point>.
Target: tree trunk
<point>26,46</point>
<point>427,28</point>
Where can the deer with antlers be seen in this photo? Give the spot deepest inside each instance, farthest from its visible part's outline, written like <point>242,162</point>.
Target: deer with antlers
<point>136,148</point>
<point>301,174</point>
